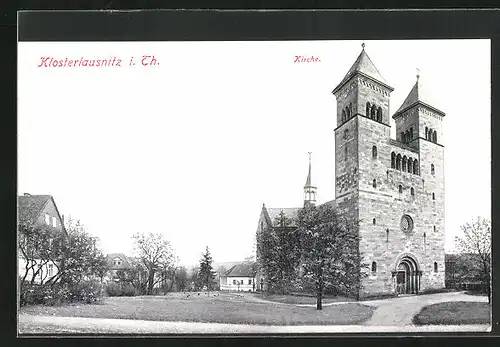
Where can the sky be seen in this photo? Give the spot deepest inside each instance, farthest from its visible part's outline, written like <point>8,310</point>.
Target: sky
<point>193,146</point>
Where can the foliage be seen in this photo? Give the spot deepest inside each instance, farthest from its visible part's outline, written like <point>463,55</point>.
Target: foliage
<point>75,257</point>
<point>279,254</point>
<point>156,255</point>
<point>120,289</point>
<point>475,249</point>
<point>330,256</point>
<point>181,279</point>
<point>136,277</point>
<point>206,274</point>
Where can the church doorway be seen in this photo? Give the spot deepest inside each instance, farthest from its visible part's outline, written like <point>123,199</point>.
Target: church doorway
<point>407,276</point>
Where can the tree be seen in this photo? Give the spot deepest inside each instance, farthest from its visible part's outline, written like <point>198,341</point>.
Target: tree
<point>475,248</point>
<point>330,253</point>
<point>279,254</point>
<point>156,254</point>
<point>181,279</point>
<point>206,274</point>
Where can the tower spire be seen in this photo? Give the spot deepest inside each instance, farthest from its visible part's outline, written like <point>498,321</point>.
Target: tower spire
<point>309,189</point>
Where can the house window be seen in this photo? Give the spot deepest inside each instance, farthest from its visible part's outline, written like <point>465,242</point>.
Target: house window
<point>374,268</point>
<point>400,188</point>
<point>234,282</point>
<point>54,222</point>
<point>432,169</point>
<point>51,270</point>
<point>435,267</point>
<point>374,152</point>
<point>250,281</point>
<point>374,183</point>
<point>412,191</point>
<point>47,219</point>
<point>374,221</point>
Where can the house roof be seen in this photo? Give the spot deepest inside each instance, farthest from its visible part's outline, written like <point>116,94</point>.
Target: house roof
<point>290,213</point>
<point>241,270</point>
<point>364,66</point>
<point>127,262</point>
<point>418,94</point>
<point>30,207</point>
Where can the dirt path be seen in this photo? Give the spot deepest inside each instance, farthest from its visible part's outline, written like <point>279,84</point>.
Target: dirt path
<point>400,311</point>
<point>47,324</point>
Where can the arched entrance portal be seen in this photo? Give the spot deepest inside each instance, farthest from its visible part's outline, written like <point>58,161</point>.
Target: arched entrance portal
<point>407,276</point>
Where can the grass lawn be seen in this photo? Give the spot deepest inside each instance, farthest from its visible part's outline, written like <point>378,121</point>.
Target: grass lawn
<point>296,299</point>
<point>457,312</point>
<point>225,308</point>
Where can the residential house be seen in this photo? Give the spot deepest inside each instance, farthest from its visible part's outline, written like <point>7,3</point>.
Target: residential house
<point>41,211</point>
<point>240,277</point>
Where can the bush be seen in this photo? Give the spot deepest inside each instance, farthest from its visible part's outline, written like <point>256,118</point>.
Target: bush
<point>120,289</point>
<point>89,292</point>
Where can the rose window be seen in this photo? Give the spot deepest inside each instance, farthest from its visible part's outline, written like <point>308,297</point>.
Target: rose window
<point>406,224</point>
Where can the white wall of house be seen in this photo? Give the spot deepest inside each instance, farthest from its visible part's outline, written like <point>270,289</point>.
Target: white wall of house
<point>48,270</point>
<point>231,283</point>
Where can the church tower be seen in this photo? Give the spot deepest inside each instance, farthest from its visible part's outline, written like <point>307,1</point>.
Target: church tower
<point>309,189</point>
<point>390,191</point>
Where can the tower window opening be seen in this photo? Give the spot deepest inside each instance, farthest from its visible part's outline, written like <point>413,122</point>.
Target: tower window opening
<point>393,160</point>
<point>411,134</point>
<point>410,165</point>
<point>374,152</point>
<point>398,162</point>
<point>426,133</point>
<point>412,191</point>
<point>346,133</point>
<point>435,267</point>
<point>345,153</point>
<point>434,136</point>
<point>374,183</point>
<point>407,136</point>
<point>434,228</point>
<point>404,164</point>
<point>403,137</point>
<point>344,117</point>
<point>400,189</point>
<point>373,113</point>
<point>387,236</point>
<point>374,268</point>
<point>433,196</point>
<point>379,114</point>
<point>432,169</point>
<point>374,221</point>
<point>368,109</point>
<point>415,167</point>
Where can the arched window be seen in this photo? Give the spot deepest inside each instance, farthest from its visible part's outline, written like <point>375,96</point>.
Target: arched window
<point>374,183</point>
<point>344,117</point>
<point>374,267</point>
<point>412,191</point>
<point>434,228</point>
<point>398,162</point>
<point>415,167</point>
<point>379,114</point>
<point>403,137</point>
<point>348,115</point>
<point>350,108</point>
<point>400,189</point>
<point>374,221</point>
<point>393,160</point>
<point>374,152</point>
<point>373,112</point>
<point>367,109</point>
<point>435,267</point>
<point>345,152</point>
<point>426,133</point>
<point>410,165</point>
<point>411,134</point>
<point>432,169</point>
<point>433,196</point>
<point>404,164</point>
<point>387,235</point>
<point>434,136</point>
<point>407,136</point>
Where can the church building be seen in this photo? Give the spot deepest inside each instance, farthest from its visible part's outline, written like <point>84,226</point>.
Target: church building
<point>392,188</point>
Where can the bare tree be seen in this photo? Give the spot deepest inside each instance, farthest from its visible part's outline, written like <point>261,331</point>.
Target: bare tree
<point>156,254</point>
<point>475,247</point>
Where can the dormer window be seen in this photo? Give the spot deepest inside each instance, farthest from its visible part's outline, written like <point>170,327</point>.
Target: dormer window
<point>117,262</point>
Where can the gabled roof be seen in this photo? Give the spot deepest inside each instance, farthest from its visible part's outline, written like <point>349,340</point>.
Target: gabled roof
<point>241,270</point>
<point>290,213</point>
<point>127,262</point>
<point>418,95</point>
<point>30,207</point>
<point>363,66</point>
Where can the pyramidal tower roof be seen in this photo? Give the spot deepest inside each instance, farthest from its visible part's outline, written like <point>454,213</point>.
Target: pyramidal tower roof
<point>308,180</point>
<point>364,66</point>
<point>418,95</point>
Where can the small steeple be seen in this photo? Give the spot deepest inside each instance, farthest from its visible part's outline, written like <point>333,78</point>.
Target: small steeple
<point>309,189</point>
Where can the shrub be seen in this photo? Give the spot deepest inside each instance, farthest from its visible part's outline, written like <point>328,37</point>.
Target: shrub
<point>34,294</point>
<point>87,291</point>
<point>120,289</point>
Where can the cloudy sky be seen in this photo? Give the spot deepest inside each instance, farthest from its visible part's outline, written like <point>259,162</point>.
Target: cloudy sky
<point>192,147</point>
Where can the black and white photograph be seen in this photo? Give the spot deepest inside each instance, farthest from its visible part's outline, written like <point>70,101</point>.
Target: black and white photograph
<point>254,187</point>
